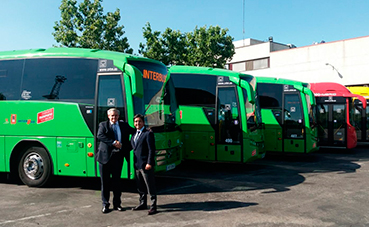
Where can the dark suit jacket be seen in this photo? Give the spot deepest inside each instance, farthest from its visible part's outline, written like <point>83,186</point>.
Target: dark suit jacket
<point>106,136</point>
<point>144,149</point>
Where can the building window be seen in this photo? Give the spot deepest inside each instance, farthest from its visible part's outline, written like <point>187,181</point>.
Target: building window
<point>229,67</point>
<point>239,67</point>
<point>262,63</point>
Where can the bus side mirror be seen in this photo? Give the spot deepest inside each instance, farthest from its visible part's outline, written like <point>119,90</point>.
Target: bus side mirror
<point>311,95</point>
<point>306,91</point>
<point>136,79</point>
<point>249,90</point>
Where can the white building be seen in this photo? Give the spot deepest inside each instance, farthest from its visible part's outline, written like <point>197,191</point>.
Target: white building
<point>345,61</point>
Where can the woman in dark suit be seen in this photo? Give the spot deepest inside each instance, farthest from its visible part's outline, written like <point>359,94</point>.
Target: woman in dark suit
<point>143,144</point>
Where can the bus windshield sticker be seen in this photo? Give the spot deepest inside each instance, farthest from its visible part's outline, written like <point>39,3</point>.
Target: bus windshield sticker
<point>103,64</point>
<point>26,95</point>
<point>111,102</point>
<point>107,66</point>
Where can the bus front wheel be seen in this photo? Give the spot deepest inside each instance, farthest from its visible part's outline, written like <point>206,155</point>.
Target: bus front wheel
<point>34,167</point>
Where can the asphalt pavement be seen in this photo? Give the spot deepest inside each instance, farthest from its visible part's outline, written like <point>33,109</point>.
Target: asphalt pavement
<point>326,188</point>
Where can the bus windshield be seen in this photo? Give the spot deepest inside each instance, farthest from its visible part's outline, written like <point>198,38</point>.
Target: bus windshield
<point>158,105</point>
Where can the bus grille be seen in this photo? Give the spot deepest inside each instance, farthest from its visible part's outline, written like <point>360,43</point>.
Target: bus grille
<point>167,156</point>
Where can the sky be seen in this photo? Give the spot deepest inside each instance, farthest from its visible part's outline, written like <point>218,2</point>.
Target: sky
<point>28,24</point>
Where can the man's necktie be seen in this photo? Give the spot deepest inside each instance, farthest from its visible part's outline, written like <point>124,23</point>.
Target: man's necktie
<point>137,135</point>
<point>115,131</point>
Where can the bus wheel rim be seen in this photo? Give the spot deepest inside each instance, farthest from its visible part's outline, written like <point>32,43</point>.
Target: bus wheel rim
<point>33,166</point>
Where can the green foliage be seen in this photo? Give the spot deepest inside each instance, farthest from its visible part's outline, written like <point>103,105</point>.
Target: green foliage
<point>209,47</point>
<point>86,26</point>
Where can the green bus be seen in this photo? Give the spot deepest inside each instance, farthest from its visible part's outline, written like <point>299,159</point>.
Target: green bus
<point>288,112</point>
<point>219,119</point>
<point>52,101</point>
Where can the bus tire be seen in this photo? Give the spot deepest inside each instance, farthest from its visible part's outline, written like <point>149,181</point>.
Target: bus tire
<point>34,167</point>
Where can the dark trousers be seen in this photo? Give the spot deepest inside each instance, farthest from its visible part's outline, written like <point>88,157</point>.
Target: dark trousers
<point>146,185</point>
<point>114,169</point>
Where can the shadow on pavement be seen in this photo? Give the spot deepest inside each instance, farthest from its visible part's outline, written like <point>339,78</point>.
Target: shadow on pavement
<point>273,174</point>
<point>204,206</point>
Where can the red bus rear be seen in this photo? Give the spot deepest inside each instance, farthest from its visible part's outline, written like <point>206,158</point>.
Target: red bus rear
<point>335,114</point>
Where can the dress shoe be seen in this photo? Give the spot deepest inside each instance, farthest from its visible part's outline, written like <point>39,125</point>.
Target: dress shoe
<point>118,208</point>
<point>105,209</point>
<point>140,207</point>
<point>152,211</point>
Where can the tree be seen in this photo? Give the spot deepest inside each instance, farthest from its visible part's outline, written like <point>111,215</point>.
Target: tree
<point>210,47</point>
<point>86,26</point>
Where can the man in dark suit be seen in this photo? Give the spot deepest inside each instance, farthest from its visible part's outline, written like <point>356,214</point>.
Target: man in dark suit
<point>113,148</point>
<point>143,144</point>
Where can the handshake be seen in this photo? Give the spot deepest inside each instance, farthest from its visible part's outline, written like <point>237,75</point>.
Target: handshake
<point>117,144</point>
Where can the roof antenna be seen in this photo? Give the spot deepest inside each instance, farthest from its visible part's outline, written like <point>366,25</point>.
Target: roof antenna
<point>243,23</point>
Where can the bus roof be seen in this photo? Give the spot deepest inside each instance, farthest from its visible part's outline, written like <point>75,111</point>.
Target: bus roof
<point>207,70</point>
<point>334,89</point>
<point>72,52</point>
<point>275,80</point>
<point>360,90</point>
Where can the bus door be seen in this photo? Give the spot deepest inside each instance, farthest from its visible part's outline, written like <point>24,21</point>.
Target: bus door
<point>110,94</point>
<point>293,121</point>
<point>331,121</point>
<point>365,122</point>
<point>229,132</point>
<point>360,121</point>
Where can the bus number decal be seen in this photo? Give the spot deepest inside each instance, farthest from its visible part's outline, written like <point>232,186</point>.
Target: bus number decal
<point>46,115</point>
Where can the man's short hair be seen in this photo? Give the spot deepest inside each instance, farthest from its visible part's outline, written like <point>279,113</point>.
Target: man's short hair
<point>139,116</point>
<point>113,110</point>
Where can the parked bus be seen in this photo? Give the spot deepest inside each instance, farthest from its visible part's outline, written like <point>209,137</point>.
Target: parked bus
<point>361,114</point>
<point>335,114</point>
<point>288,112</point>
<point>52,101</point>
<point>219,118</point>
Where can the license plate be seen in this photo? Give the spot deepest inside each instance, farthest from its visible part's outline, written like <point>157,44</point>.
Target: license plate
<point>171,166</point>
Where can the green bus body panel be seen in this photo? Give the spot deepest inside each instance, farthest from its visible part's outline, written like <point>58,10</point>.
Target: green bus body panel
<point>294,145</point>
<point>198,134</point>
<point>71,156</point>
<point>33,118</point>
<point>272,132</point>
<point>197,145</point>
<point>231,153</point>
<point>2,154</point>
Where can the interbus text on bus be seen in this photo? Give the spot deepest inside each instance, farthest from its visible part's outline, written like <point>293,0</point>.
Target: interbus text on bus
<point>151,75</point>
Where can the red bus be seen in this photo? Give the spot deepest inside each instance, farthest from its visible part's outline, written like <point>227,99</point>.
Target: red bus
<point>335,114</point>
